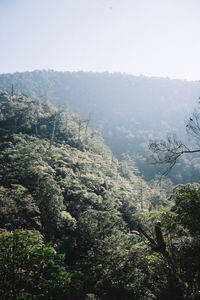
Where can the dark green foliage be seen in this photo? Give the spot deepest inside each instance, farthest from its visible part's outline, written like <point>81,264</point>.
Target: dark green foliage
<point>64,177</point>
<point>30,269</point>
<point>115,266</point>
<point>19,113</point>
<point>18,209</point>
<point>88,204</point>
<point>23,165</point>
<point>176,275</point>
<point>187,204</point>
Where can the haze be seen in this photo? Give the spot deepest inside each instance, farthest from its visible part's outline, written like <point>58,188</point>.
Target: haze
<point>148,37</point>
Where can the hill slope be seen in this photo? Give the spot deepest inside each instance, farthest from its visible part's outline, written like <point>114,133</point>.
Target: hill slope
<point>130,110</point>
<point>54,171</point>
<point>58,177</point>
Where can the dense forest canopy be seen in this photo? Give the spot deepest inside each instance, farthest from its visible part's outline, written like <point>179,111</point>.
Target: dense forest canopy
<point>62,190</point>
<point>99,160</point>
<point>128,109</point>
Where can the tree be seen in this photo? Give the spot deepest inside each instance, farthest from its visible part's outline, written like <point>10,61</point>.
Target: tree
<point>30,269</point>
<point>172,250</point>
<point>18,209</point>
<point>114,268</point>
<point>170,150</point>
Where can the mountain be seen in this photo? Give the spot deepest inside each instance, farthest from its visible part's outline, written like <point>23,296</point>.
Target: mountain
<point>129,110</point>
<point>53,169</point>
<point>63,190</point>
<point>59,178</point>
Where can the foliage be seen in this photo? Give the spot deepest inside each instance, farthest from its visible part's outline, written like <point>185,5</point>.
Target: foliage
<point>129,109</point>
<point>181,232</point>
<point>88,204</point>
<point>65,177</point>
<point>116,269</point>
<point>18,209</point>
<point>30,269</point>
<point>187,206</point>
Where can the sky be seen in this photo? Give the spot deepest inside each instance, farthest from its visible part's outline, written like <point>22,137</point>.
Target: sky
<point>139,37</point>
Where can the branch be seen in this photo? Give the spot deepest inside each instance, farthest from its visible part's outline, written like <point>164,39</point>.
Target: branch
<point>152,242</point>
<point>193,125</point>
<point>160,245</point>
<point>167,152</point>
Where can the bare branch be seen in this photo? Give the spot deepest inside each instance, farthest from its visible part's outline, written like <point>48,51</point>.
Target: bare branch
<point>168,151</point>
<point>193,125</point>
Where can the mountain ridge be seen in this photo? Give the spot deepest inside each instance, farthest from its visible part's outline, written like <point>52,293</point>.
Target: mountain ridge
<point>130,110</point>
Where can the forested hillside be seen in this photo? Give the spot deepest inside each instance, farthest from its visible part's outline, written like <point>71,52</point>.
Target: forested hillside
<point>121,237</point>
<point>129,110</point>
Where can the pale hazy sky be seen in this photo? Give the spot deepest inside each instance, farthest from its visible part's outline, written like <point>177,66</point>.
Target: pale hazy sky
<point>139,37</point>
